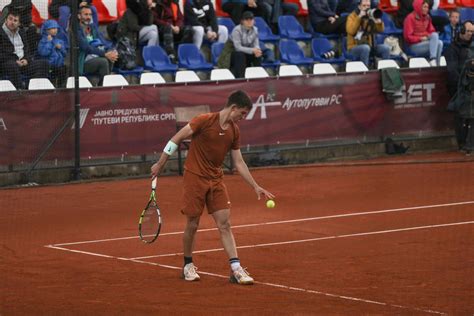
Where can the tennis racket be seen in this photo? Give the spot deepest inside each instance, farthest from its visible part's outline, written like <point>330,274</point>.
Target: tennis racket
<point>149,224</point>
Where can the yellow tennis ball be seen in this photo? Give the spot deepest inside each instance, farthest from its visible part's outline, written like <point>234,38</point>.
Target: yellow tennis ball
<point>270,204</point>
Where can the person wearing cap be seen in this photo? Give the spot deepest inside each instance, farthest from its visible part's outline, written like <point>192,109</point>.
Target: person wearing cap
<point>247,50</point>
<point>54,50</point>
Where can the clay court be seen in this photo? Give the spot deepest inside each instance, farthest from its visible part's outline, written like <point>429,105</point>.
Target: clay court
<point>381,237</point>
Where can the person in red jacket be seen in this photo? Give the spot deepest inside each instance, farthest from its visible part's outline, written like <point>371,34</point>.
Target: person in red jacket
<point>420,34</point>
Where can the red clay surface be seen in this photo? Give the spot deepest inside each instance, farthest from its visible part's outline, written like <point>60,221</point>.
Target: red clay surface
<point>403,260</point>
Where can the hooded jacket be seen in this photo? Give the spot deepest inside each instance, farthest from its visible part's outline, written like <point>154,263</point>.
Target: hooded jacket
<point>417,25</point>
<point>47,48</point>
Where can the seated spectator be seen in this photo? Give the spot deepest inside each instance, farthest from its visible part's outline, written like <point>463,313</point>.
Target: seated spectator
<point>235,9</point>
<point>201,16</point>
<point>61,11</point>
<point>406,7</point>
<point>137,24</point>
<point>170,21</point>
<point>16,58</point>
<point>451,29</point>
<point>360,33</point>
<point>247,50</point>
<point>420,34</point>
<point>24,9</point>
<point>272,9</point>
<point>55,51</point>
<point>96,56</point>
<point>457,54</point>
<point>324,20</point>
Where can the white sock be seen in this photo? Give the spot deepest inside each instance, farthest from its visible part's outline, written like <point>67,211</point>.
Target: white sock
<point>235,265</point>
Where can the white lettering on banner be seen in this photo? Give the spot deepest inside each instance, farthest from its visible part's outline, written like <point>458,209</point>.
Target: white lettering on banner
<point>3,124</point>
<point>126,116</point>
<point>289,104</point>
<point>82,118</point>
<point>416,96</point>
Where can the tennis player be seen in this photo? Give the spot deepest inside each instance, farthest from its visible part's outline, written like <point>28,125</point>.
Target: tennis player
<point>212,135</point>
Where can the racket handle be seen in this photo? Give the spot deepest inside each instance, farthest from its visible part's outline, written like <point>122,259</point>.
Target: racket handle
<point>153,183</point>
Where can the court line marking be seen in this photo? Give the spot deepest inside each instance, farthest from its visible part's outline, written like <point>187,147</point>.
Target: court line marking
<point>313,239</point>
<point>284,222</point>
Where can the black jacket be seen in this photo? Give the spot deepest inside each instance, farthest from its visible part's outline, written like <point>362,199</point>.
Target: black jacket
<point>23,7</point>
<point>456,55</point>
<point>200,13</point>
<point>7,53</point>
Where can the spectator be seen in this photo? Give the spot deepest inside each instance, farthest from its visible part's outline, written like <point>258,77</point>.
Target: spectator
<point>457,54</point>
<point>451,29</point>
<point>96,55</point>
<point>16,58</point>
<point>137,24</point>
<point>406,7</point>
<point>324,20</point>
<point>420,34</point>
<point>247,50</point>
<point>54,50</point>
<point>235,9</point>
<point>201,16</point>
<point>23,8</point>
<point>170,21</point>
<point>61,11</point>
<point>272,9</point>
<point>360,27</point>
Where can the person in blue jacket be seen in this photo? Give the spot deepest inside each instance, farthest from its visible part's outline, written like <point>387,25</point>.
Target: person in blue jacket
<point>55,50</point>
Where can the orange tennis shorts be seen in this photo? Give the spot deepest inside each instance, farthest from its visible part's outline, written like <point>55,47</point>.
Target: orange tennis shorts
<point>200,192</point>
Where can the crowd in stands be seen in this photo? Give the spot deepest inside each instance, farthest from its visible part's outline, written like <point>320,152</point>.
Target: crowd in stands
<point>355,28</point>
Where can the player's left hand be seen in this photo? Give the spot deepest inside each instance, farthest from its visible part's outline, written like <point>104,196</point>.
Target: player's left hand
<point>261,191</point>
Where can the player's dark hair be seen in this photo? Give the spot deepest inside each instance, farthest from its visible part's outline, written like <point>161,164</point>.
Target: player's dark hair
<point>240,99</point>
<point>14,12</point>
<point>84,7</point>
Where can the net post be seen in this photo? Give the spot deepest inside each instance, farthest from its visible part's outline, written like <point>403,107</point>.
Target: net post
<point>77,101</point>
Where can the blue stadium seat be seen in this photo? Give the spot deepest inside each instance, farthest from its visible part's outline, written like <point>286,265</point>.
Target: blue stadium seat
<point>227,22</point>
<point>322,45</point>
<point>292,54</point>
<point>289,27</point>
<point>216,50</point>
<point>265,33</point>
<point>191,58</point>
<point>345,53</point>
<point>439,12</point>
<point>466,14</point>
<point>389,25</point>
<point>156,59</point>
<point>137,71</point>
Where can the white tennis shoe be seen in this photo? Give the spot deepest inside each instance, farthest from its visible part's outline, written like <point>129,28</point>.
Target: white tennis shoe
<point>241,276</point>
<point>189,272</point>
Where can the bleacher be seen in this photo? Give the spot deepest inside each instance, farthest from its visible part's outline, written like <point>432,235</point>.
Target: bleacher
<point>296,45</point>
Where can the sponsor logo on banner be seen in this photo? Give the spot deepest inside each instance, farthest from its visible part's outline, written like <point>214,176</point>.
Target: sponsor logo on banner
<point>82,118</point>
<point>3,125</point>
<point>123,116</point>
<point>291,104</point>
<point>416,96</point>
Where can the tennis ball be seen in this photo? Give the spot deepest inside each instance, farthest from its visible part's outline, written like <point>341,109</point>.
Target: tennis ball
<point>270,204</point>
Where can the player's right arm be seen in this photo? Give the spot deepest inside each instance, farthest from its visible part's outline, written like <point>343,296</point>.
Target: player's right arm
<point>170,148</point>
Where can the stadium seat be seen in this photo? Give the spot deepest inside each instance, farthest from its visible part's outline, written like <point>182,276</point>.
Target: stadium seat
<point>322,45</point>
<point>447,4</point>
<point>289,27</point>
<point>465,3</point>
<point>186,76</point>
<point>466,14</point>
<point>387,63</point>
<point>389,6</point>
<point>6,85</point>
<point>323,69</point>
<point>347,55</point>
<point>40,84</point>
<point>83,82</point>
<point>110,11</point>
<point>227,22</point>
<point>255,72</point>
<point>216,50</point>
<point>137,71</point>
<point>191,58</point>
<point>289,70</point>
<point>389,26</point>
<point>291,53</point>
<point>442,62</point>
<point>218,9</point>
<point>302,7</point>
<point>356,66</point>
<point>114,81</point>
<point>440,12</point>
<point>156,59</point>
<point>151,78</point>
<point>418,62</point>
<point>265,33</point>
<point>221,74</point>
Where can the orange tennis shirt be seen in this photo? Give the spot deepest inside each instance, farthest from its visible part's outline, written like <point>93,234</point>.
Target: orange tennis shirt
<point>210,144</point>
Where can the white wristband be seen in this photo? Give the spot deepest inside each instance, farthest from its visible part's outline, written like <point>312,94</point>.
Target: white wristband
<point>170,148</point>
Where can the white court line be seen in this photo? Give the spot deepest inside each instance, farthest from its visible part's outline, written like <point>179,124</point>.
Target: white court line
<point>284,222</point>
<point>274,285</point>
<point>313,239</point>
